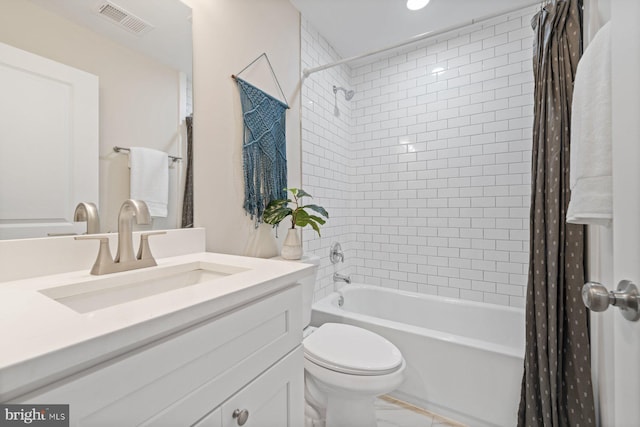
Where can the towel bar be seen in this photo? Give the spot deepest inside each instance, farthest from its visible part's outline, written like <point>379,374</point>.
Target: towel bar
<point>120,149</point>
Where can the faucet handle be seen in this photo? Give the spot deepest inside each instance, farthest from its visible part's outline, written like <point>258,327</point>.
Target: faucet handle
<point>104,257</point>
<point>144,251</point>
<point>335,253</point>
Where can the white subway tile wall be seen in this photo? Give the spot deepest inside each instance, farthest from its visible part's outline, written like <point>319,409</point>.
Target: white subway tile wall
<point>428,167</point>
<point>326,155</point>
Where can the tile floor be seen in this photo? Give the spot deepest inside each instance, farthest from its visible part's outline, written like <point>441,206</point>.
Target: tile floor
<point>391,412</point>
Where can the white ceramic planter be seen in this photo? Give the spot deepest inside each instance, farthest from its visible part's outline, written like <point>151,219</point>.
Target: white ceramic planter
<point>292,246</point>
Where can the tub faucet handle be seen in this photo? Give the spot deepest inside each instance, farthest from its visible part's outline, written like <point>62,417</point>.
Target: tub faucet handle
<point>335,253</point>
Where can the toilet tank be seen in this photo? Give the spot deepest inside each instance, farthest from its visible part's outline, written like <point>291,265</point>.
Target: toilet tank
<point>308,285</point>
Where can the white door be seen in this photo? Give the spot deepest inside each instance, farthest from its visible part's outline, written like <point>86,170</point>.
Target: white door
<point>625,15</point>
<point>48,144</point>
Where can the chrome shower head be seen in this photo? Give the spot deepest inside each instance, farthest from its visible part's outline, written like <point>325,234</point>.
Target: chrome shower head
<point>348,94</point>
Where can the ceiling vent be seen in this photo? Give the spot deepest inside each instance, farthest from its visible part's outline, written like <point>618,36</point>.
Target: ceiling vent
<point>124,19</point>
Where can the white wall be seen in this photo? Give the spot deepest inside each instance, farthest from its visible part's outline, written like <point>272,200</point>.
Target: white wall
<point>131,86</point>
<point>228,35</point>
<point>440,148</point>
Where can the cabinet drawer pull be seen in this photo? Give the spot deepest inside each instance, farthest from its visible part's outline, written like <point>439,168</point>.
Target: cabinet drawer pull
<point>241,415</point>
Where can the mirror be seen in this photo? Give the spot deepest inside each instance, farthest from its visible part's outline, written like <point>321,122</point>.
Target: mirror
<point>141,54</point>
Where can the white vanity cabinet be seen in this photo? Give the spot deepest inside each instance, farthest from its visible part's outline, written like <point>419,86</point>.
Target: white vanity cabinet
<point>274,399</point>
<point>248,359</point>
<point>213,419</point>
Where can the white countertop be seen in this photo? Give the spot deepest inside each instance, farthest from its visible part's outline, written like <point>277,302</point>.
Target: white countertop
<point>44,340</point>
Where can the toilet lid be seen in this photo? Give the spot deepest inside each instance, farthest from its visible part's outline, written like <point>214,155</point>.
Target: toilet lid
<point>351,350</point>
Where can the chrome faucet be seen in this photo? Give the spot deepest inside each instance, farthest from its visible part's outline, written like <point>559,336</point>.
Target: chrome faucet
<point>87,211</point>
<point>337,277</point>
<point>130,209</point>
<point>125,258</point>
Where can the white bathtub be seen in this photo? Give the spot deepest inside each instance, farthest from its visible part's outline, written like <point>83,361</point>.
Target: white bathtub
<point>464,359</point>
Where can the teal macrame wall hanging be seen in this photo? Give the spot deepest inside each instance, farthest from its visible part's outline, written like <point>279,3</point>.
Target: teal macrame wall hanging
<point>264,150</point>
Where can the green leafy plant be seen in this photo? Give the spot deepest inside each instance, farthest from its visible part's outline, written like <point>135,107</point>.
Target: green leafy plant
<point>277,210</point>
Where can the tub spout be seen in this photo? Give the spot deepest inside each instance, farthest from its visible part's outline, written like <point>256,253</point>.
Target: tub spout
<point>337,277</point>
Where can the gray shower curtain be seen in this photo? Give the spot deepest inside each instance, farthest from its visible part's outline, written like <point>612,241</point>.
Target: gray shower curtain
<point>556,386</point>
<point>187,201</point>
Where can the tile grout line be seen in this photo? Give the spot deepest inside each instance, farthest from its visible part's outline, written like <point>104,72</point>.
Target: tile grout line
<point>416,409</point>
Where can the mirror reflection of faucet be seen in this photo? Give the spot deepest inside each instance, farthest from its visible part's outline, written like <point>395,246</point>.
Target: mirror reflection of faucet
<point>125,258</point>
<point>87,211</point>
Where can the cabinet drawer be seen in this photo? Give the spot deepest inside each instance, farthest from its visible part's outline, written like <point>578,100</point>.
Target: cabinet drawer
<point>275,399</point>
<point>185,374</point>
<point>213,419</point>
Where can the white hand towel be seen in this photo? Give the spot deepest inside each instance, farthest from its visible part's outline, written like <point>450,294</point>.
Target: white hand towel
<point>150,179</point>
<point>590,174</point>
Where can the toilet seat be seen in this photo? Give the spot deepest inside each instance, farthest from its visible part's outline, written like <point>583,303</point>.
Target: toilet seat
<point>351,350</point>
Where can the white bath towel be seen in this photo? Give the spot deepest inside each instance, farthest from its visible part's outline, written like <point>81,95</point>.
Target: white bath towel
<point>590,174</point>
<point>150,179</point>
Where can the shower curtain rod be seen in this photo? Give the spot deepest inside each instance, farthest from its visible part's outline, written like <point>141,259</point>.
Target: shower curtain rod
<point>308,71</point>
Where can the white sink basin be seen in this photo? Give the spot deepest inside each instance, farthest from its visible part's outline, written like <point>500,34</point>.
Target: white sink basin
<point>119,288</point>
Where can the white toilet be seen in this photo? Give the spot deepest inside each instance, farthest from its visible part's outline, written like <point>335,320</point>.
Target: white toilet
<point>346,367</point>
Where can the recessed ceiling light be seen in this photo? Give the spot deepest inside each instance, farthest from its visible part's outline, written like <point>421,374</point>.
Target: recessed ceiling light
<point>416,4</point>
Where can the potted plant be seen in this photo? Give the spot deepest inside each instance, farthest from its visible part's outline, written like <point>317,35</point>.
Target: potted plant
<point>277,210</point>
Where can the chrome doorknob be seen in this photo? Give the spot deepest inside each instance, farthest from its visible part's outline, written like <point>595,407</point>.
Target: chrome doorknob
<point>595,296</point>
<point>626,298</point>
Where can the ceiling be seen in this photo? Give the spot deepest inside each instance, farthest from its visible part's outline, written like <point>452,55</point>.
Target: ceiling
<point>169,41</point>
<point>354,27</point>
